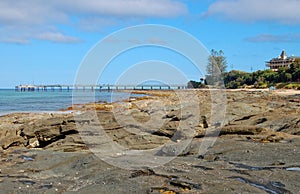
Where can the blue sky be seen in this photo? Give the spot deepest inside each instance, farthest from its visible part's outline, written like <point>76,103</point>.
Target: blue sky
<point>44,42</point>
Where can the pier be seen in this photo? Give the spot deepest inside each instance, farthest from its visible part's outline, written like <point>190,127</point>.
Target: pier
<point>92,88</point>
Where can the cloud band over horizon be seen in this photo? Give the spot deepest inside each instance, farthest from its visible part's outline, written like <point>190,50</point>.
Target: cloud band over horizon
<point>22,21</point>
<point>285,12</point>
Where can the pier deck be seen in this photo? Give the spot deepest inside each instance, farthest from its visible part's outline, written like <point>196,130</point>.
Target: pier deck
<point>100,88</point>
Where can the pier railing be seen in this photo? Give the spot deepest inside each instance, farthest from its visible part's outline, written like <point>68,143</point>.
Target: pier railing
<point>100,88</point>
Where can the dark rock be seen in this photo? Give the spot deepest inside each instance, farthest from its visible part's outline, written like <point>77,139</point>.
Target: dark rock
<point>168,129</point>
<point>260,120</point>
<point>241,130</point>
<point>204,122</point>
<point>144,172</point>
<point>174,114</point>
<point>185,185</point>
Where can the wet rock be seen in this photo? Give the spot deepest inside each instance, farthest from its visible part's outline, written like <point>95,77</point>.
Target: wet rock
<point>27,182</point>
<point>185,185</point>
<point>265,187</point>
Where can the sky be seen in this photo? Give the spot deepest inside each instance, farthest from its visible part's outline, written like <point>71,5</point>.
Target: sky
<point>47,42</point>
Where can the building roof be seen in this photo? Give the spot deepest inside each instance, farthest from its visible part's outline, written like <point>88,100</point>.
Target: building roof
<point>282,58</point>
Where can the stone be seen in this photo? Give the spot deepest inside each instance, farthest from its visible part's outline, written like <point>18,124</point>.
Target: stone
<point>33,143</point>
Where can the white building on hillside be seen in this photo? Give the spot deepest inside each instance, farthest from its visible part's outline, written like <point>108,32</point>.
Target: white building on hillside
<point>281,61</point>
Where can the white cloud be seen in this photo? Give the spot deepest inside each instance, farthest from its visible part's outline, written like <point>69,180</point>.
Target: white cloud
<point>57,37</point>
<point>132,8</point>
<point>24,34</point>
<point>29,12</point>
<point>289,38</point>
<point>282,11</point>
<point>156,40</point>
<point>96,24</point>
<point>30,16</point>
<point>14,41</point>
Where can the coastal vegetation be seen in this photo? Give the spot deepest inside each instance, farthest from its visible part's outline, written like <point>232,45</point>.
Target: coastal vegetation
<point>284,77</point>
<point>288,78</point>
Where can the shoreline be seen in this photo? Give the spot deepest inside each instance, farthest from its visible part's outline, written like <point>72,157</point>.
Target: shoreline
<point>40,112</point>
<point>39,102</point>
<point>149,93</point>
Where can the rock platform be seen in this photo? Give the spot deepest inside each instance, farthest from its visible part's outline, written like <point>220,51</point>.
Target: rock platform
<point>255,146</point>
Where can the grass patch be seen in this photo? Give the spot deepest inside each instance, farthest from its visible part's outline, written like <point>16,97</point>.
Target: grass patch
<point>295,86</point>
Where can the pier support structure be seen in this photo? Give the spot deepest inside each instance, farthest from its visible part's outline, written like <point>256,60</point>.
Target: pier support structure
<point>92,88</point>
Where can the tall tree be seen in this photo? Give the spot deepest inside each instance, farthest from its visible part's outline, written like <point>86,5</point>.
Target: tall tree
<point>216,63</point>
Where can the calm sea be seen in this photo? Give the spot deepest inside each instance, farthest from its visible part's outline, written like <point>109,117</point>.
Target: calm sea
<point>12,101</point>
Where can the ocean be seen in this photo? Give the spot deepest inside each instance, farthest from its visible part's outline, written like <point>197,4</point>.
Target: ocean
<point>13,101</point>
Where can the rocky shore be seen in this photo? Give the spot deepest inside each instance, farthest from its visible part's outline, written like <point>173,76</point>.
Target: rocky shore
<point>167,142</point>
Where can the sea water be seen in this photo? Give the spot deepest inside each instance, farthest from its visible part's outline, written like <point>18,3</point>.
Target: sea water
<point>14,101</point>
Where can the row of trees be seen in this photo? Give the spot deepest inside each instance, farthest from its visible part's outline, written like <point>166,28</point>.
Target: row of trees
<point>260,79</point>
<point>216,69</point>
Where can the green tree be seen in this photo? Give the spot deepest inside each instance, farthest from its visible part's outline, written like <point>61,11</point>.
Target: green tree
<point>296,64</point>
<point>262,78</point>
<point>281,75</point>
<point>195,84</point>
<point>217,63</point>
<point>269,76</point>
<point>296,75</point>
<point>288,77</point>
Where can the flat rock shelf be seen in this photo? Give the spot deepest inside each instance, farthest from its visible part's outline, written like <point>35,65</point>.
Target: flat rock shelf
<point>256,151</point>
